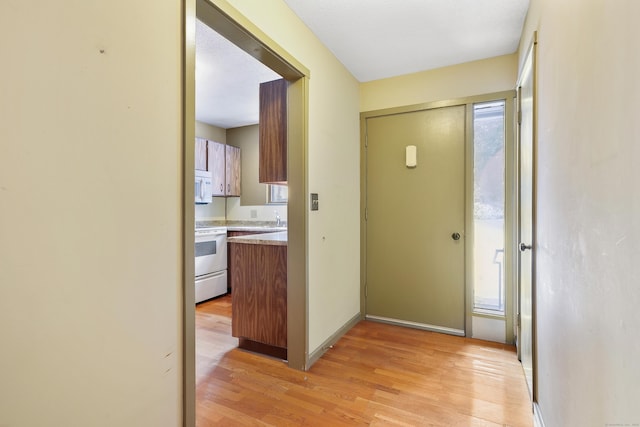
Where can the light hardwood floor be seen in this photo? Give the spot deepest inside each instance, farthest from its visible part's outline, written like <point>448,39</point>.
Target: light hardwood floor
<point>376,374</point>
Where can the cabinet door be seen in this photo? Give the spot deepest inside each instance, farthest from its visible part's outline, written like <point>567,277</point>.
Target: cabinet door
<point>201,154</point>
<point>273,132</point>
<point>259,289</point>
<point>232,170</point>
<point>217,168</point>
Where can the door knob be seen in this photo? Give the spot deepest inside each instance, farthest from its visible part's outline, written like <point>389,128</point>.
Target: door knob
<point>455,236</point>
<point>524,247</point>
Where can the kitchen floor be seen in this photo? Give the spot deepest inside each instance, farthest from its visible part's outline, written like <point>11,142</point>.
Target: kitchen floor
<point>376,374</point>
<point>213,334</point>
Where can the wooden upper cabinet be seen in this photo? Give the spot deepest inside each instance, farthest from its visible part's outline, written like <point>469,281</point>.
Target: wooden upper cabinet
<point>273,132</point>
<point>201,154</point>
<point>224,164</point>
<point>217,168</point>
<point>232,171</point>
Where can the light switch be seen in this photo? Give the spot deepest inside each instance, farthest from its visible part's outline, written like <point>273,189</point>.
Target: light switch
<point>314,202</point>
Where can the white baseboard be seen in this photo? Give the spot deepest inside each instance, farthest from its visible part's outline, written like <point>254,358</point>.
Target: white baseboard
<point>329,342</point>
<point>537,416</point>
<point>416,325</point>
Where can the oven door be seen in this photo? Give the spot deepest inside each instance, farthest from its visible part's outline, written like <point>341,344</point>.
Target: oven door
<point>211,252</point>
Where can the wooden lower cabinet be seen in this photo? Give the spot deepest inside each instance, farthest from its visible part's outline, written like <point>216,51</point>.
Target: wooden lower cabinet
<point>233,233</point>
<point>259,298</point>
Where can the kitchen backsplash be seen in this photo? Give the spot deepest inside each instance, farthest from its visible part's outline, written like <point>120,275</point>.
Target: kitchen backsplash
<point>254,213</point>
<point>234,211</point>
<point>211,211</point>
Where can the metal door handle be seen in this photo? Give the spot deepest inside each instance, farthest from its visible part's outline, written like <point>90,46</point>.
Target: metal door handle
<point>524,247</point>
<point>455,236</point>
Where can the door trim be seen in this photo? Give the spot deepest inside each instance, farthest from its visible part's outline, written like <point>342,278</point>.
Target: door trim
<point>531,52</point>
<point>230,23</point>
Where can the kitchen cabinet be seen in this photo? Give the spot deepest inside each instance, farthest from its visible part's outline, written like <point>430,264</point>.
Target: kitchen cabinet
<point>273,132</point>
<point>217,168</point>
<point>232,233</point>
<point>259,307</point>
<point>224,164</point>
<point>201,154</point>
<point>232,168</point>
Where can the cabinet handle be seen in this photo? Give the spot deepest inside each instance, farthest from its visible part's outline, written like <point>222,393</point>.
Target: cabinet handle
<point>228,188</point>
<point>221,188</point>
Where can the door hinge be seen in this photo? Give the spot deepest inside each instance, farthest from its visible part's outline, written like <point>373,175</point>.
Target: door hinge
<point>366,290</point>
<point>518,320</point>
<point>519,105</point>
<point>366,139</point>
<point>366,214</point>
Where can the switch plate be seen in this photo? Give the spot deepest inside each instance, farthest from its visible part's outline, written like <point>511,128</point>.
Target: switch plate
<point>314,202</point>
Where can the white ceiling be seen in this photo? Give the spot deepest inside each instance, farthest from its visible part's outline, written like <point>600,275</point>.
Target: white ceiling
<point>227,81</point>
<point>374,39</point>
<point>377,39</point>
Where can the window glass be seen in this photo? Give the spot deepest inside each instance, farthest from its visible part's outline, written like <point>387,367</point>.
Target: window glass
<point>277,194</point>
<point>488,206</point>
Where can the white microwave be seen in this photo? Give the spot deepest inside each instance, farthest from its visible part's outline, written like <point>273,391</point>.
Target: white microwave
<point>203,189</point>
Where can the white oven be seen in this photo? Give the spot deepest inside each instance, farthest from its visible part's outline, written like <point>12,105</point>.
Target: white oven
<point>210,262</point>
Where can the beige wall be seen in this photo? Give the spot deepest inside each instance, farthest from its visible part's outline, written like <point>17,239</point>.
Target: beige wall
<point>246,138</point>
<point>457,81</point>
<point>333,156</point>
<point>252,204</point>
<point>90,280</point>
<point>588,209</point>
<point>210,132</point>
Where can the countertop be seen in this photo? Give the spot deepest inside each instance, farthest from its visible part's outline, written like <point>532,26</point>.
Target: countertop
<point>234,225</point>
<point>275,239</point>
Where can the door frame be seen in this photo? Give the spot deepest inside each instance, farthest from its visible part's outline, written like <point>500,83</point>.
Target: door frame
<point>510,244</point>
<point>531,53</point>
<point>231,24</point>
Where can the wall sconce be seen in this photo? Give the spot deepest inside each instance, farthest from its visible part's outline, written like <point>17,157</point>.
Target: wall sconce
<point>411,152</point>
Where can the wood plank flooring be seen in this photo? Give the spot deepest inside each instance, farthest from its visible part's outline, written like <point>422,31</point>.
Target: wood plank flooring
<point>376,375</point>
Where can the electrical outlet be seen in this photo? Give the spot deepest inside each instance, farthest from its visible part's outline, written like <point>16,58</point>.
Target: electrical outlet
<point>314,202</point>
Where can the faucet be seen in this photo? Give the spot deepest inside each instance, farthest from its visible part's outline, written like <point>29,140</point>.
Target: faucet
<point>277,219</point>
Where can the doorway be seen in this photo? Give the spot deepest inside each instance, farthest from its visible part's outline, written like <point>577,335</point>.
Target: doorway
<point>415,219</point>
<point>420,229</point>
<point>229,23</point>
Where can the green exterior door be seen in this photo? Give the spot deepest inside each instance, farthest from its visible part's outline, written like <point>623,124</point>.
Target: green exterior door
<point>415,266</point>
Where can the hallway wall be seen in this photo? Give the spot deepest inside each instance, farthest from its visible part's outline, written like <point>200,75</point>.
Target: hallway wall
<point>90,222</point>
<point>588,210</point>
<point>457,81</point>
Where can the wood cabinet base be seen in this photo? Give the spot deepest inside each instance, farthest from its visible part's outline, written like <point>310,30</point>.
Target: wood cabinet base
<point>259,284</point>
<point>258,347</point>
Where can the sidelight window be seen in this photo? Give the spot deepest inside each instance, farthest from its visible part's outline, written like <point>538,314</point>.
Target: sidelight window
<point>489,207</point>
